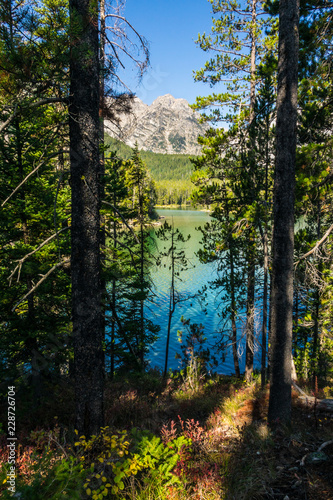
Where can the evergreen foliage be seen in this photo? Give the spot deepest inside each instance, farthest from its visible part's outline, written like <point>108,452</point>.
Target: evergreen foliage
<point>171,173</point>
<point>233,176</point>
<point>35,206</point>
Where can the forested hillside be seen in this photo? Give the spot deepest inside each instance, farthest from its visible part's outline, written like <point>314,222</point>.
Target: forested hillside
<point>172,173</point>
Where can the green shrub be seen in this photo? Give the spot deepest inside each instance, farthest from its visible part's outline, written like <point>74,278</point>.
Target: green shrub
<point>115,458</point>
<point>52,477</point>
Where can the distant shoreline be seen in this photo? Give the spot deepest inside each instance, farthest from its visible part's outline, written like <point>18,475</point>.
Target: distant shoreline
<point>182,207</point>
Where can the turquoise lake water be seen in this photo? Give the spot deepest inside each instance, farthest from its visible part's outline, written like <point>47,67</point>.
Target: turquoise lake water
<point>192,281</point>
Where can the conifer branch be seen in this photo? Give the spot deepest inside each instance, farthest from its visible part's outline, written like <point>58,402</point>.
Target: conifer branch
<point>53,155</point>
<point>122,332</point>
<point>122,245</point>
<point>317,245</point>
<point>122,218</point>
<point>17,111</point>
<point>44,277</point>
<point>21,261</point>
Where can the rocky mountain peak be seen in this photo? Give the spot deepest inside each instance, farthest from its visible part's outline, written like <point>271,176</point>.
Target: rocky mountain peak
<point>168,100</point>
<point>168,125</point>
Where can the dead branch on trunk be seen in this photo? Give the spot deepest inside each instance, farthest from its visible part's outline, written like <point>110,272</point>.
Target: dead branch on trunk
<point>44,277</point>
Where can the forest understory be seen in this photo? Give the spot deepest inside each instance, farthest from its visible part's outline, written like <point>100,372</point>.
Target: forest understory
<point>174,439</point>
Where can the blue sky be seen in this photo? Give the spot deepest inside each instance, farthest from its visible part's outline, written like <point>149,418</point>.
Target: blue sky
<point>171,27</point>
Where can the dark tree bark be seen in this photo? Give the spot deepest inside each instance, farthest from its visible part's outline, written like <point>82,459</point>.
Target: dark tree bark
<point>283,233</point>
<point>233,311</point>
<point>316,344</point>
<point>266,263</point>
<point>85,183</point>
<point>249,352</point>
<point>232,295</point>
<point>264,312</point>
<point>172,302</point>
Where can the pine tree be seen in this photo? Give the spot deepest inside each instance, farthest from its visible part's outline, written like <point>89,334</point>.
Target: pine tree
<point>221,239</point>
<point>35,211</point>
<point>178,263</point>
<point>141,199</point>
<point>283,233</point>
<point>85,226</point>
<point>236,41</point>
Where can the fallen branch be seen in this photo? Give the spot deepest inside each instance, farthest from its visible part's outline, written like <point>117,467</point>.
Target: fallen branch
<point>320,449</point>
<point>298,389</point>
<point>324,445</point>
<point>320,404</point>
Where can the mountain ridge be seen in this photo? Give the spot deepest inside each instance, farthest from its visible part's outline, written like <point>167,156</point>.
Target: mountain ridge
<point>167,126</point>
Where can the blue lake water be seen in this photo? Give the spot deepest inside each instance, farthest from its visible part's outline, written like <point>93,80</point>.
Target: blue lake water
<point>192,281</point>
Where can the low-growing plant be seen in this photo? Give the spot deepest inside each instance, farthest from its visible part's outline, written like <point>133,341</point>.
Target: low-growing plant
<point>196,360</point>
<point>161,459</point>
<point>168,434</point>
<point>203,478</point>
<point>115,458</point>
<point>49,476</point>
<point>189,428</point>
<point>328,392</point>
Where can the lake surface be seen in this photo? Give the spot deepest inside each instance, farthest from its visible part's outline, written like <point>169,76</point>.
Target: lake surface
<point>192,281</point>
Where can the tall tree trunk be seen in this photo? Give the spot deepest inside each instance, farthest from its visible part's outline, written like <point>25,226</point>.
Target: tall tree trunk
<point>249,352</point>
<point>233,310</point>
<point>142,269</point>
<point>253,61</point>
<point>283,232</point>
<point>113,295</point>
<point>264,312</point>
<point>269,336</point>
<point>265,245</point>
<point>315,349</point>
<point>172,302</point>
<point>31,341</point>
<point>232,296</point>
<point>37,361</point>
<point>102,154</point>
<point>85,256</point>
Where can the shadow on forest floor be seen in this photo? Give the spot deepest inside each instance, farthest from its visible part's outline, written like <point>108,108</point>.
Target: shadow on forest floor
<point>234,455</point>
<point>227,421</point>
